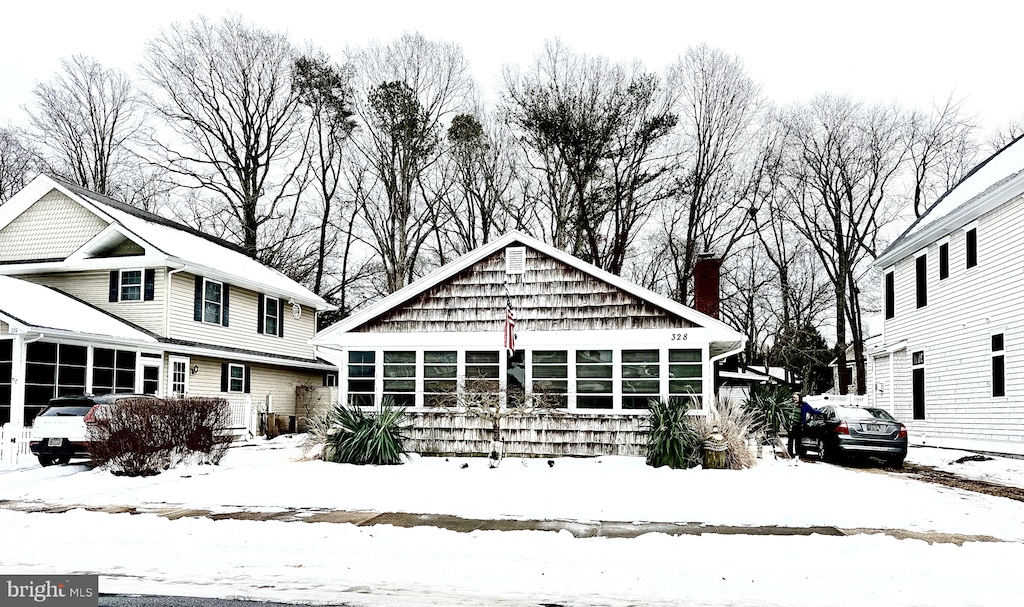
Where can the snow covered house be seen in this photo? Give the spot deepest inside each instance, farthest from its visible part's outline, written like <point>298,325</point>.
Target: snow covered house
<point>592,344</point>
<point>949,362</point>
<point>97,297</point>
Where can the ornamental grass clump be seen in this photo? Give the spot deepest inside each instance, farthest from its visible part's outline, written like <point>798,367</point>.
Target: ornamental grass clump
<point>773,410</point>
<point>351,435</point>
<point>671,439</point>
<point>676,440</point>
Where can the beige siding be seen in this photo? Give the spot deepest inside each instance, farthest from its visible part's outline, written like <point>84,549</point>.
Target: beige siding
<point>954,331</point>
<point>53,227</point>
<point>241,330</point>
<point>4,329</point>
<point>549,296</point>
<point>93,287</point>
<point>277,383</point>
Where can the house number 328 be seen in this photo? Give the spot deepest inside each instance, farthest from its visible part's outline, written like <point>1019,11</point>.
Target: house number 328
<point>679,337</point>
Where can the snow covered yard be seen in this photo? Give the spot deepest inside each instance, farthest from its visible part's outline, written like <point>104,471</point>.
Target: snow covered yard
<point>386,565</point>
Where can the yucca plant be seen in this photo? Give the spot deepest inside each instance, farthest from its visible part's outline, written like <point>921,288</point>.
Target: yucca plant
<point>671,439</point>
<point>351,435</point>
<point>773,410</point>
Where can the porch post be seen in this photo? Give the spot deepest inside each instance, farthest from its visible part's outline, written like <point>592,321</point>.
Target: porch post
<point>18,381</point>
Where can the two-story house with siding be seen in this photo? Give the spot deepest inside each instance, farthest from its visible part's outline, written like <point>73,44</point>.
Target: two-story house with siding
<point>950,360</point>
<point>97,296</point>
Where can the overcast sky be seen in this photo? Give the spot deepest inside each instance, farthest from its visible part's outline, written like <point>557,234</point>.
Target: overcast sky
<point>910,51</point>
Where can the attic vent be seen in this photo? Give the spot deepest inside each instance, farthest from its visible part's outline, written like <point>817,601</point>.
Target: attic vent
<point>515,260</point>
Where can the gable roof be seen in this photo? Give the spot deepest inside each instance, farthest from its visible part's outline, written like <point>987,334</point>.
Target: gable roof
<point>988,185</point>
<point>720,331</point>
<point>167,241</point>
<point>35,308</point>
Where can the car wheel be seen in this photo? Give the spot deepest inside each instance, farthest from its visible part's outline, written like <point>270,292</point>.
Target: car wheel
<point>896,461</point>
<point>45,460</point>
<point>63,459</point>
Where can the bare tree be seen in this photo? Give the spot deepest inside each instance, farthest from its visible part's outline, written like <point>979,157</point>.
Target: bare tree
<point>481,203</point>
<point>718,105</point>
<point>406,92</point>
<point>16,163</point>
<point>83,123</point>
<point>325,92</point>
<point>225,90</point>
<point>842,157</point>
<point>1006,133</point>
<point>593,131</point>
<point>941,149</point>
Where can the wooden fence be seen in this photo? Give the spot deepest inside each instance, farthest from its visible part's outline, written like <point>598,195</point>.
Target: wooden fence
<point>572,434</point>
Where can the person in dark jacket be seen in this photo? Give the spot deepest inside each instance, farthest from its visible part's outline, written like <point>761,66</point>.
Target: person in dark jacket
<point>800,426</point>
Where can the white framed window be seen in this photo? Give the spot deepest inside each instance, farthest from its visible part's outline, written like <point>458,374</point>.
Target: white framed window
<point>594,379</point>
<point>213,301</point>
<point>131,285</point>
<point>998,365</point>
<point>271,316</point>
<point>236,378</point>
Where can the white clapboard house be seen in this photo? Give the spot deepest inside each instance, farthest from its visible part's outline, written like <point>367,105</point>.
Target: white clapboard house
<point>98,297</point>
<point>595,344</point>
<point>949,362</point>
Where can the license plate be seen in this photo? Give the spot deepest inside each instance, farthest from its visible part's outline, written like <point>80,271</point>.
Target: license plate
<point>873,428</point>
<point>55,442</point>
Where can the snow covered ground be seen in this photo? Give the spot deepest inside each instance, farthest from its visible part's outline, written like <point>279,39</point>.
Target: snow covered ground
<point>385,565</point>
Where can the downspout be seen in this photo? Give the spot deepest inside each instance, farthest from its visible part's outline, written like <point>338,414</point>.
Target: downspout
<point>167,301</point>
<point>715,359</point>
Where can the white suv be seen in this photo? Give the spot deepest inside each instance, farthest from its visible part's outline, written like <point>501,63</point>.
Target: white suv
<point>61,431</point>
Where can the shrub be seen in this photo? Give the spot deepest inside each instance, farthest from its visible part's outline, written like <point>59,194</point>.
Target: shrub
<point>671,439</point>
<point>350,435</point>
<point>144,436</point>
<point>676,440</point>
<point>773,410</point>
<point>736,424</point>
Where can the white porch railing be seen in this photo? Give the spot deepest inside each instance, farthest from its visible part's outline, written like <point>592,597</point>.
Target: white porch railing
<point>14,443</point>
<point>244,424</point>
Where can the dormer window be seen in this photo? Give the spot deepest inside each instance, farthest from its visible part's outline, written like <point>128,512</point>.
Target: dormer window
<point>131,285</point>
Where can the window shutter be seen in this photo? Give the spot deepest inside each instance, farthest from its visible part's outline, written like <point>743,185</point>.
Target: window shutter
<point>198,304</point>
<point>280,317</point>
<point>224,374</point>
<point>259,313</point>
<point>248,378</point>
<point>226,291</point>
<point>149,290</point>
<point>115,285</point>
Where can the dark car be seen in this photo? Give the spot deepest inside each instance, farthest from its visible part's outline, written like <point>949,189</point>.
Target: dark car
<point>840,431</point>
<point>60,431</point>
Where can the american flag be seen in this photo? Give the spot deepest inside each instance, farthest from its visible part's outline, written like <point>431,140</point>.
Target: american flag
<point>510,326</point>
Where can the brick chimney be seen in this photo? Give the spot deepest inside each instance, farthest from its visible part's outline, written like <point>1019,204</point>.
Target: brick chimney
<point>706,279</point>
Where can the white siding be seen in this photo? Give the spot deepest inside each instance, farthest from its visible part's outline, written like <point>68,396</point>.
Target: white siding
<point>954,332</point>
<point>241,330</point>
<point>278,383</point>
<point>53,227</point>
<point>93,287</point>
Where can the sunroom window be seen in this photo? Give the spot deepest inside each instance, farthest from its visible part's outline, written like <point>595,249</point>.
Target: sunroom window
<point>593,379</point>
<point>640,378</point>
<point>685,372</point>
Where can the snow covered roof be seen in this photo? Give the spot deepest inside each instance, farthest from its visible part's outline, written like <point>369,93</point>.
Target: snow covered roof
<point>33,308</point>
<point>991,183</point>
<point>724,335</point>
<point>176,244</point>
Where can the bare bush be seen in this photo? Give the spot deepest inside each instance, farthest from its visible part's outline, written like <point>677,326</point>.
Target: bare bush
<point>145,436</point>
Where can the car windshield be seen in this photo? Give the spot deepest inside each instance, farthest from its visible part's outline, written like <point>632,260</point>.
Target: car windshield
<point>68,410</point>
<point>880,414</point>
